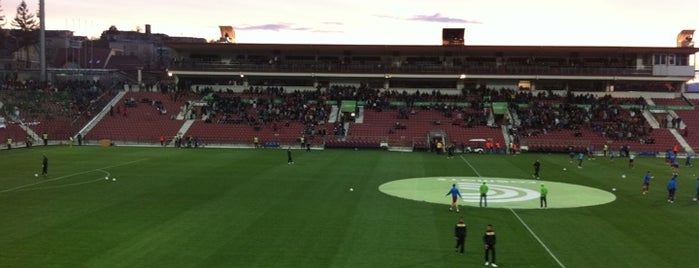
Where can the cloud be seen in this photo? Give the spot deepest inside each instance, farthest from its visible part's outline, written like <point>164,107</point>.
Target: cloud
<point>389,17</point>
<point>326,31</point>
<point>273,27</point>
<point>431,18</point>
<point>333,23</point>
<point>276,27</point>
<point>439,18</point>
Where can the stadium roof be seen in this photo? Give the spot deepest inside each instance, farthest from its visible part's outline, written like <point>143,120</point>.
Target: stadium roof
<point>210,47</point>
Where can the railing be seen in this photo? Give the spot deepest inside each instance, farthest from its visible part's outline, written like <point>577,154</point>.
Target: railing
<point>204,141</point>
<point>421,68</point>
<point>128,140</point>
<point>355,141</point>
<point>549,145</point>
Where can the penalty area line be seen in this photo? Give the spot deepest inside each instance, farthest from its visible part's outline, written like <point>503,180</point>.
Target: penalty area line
<point>70,175</point>
<point>58,186</point>
<point>537,238</point>
<point>469,164</point>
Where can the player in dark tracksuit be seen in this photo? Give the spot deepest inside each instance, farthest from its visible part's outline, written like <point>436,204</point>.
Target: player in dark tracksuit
<point>537,167</point>
<point>45,166</point>
<point>450,151</point>
<point>460,234</point>
<point>288,156</point>
<point>489,241</point>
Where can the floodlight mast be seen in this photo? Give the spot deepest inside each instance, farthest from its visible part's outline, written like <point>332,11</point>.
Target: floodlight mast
<point>42,41</point>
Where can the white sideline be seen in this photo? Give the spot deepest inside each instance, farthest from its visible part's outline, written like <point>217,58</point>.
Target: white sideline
<point>537,238</point>
<point>522,221</point>
<point>67,176</point>
<point>469,164</point>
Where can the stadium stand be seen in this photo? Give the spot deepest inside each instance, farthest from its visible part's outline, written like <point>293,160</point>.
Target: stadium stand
<point>142,117</point>
<point>59,111</point>
<point>12,131</point>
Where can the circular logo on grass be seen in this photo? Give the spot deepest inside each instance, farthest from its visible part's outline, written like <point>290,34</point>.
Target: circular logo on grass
<point>502,192</point>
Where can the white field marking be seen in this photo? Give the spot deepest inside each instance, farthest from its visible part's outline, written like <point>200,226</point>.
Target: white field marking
<point>497,193</point>
<point>58,186</point>
<point>68,176</point>
<point>523,223</point>
<point>537,238</point>
<point>469,164</point>
<point>64,185</point>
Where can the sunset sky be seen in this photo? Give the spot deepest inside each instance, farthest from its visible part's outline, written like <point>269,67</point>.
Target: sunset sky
<point>487,22</point>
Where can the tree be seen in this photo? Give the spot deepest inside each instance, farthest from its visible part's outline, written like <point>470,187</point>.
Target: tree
<point>38,13</point>
<point>2,17</point>
<point>24,20</point>
<point>27,25</point>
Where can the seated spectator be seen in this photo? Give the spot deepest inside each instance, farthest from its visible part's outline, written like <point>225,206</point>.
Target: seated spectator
<point>130,103</point>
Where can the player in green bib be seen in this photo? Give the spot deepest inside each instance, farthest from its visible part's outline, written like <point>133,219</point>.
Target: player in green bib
<point>542,200</point>
<point>483,202</point>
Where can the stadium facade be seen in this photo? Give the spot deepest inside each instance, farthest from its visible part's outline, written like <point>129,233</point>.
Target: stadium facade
<point>448,68</point>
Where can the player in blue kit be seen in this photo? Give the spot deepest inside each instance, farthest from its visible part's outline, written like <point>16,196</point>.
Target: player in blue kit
<point>671,189</point>
<point>646,182</point>
<point>455,195</point>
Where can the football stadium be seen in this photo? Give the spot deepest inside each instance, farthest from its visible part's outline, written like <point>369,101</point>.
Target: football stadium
<point>319,155</point>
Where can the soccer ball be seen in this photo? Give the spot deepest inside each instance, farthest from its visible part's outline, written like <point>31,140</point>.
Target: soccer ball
<point>106,178</point>
<point>351,189</point>
<point>623,176</point>
<point>113,179</point>
<point>564,169</point>
<point>694,199</point>
<point>36,175</point>
<point>613,189</point>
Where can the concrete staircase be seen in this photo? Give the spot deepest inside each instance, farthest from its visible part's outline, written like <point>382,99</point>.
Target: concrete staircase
<point>187,124</point>
<point>114,102</point>
<point>334,114</point>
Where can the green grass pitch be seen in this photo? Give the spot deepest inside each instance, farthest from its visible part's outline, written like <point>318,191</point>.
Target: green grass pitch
<point>248,208</point>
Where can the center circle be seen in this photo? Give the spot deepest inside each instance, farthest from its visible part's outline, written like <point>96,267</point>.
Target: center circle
<point>502,192</point>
